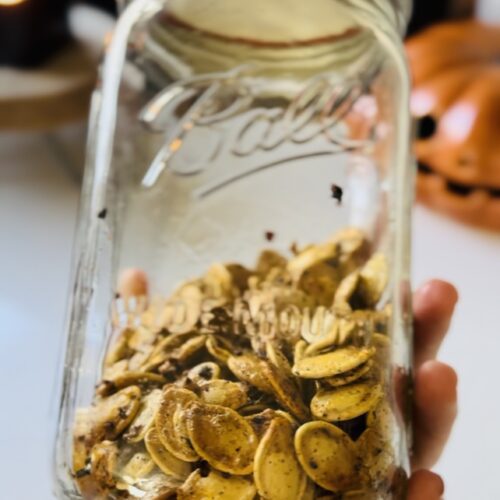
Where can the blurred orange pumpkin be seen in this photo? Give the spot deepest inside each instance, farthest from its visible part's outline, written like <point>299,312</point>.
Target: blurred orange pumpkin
<point>456,98</point>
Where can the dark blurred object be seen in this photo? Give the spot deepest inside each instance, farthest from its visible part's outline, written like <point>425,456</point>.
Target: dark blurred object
<point>426,13</point>
<point>107,5</point>
<point>48,96</point>
<point>32,30</point>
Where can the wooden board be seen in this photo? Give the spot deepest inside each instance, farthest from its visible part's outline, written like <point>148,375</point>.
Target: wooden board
<point>49,96</point>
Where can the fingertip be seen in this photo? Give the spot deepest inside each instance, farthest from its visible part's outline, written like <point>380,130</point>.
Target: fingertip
<point>433,307</point>
<point>435,411</point>
<point>425,485</point>
<point>436,293</point>
<point>132,282</point>
<point>435,382</point>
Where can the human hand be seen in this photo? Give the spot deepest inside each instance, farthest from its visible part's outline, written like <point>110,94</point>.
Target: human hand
<point>435,402</point>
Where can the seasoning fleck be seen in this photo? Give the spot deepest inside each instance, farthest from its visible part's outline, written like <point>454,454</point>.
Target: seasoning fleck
<point>337,193</point>
<point>269,235</point>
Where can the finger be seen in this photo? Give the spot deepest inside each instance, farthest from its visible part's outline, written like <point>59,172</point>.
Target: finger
<point>433,307</point>
<point>435,411</point>
<point>425,485</point>
<point>132,282</point>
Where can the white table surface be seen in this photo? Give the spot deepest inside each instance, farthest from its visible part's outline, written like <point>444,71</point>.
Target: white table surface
<point>38,203</point>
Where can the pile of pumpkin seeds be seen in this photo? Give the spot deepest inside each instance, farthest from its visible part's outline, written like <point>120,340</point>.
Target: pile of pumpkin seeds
<point>266,383</point>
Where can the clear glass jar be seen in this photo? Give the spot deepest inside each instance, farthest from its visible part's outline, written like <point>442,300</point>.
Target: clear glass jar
<point>219,130</point>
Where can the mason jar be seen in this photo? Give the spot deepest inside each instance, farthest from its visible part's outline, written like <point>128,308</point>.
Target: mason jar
<point>240,319</point>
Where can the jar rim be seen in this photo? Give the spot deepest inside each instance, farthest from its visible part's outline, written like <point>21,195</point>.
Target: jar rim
<point>273,23</point>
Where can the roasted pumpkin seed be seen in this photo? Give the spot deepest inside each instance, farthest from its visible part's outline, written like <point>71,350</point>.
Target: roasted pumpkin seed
<point>224,393</point>
<point>345,403</point>
<point>268,260</point>
<point>315,254</point>
<point>103,460</point>
<point>215,486</point>
<point>217,349</point>
<point>320,281</point>
<point>157,487</point>
<point>327,455</point>
<point>167,463</point>
<point>163,349</point>
<point>350,376</point>
<point>119,347</point>
<point>137,468</point>
<point>141,338</point>
<point>278,359</point>
<point>332,363</point>
<point>188,349</point>
<point>353,248</point>
<point>342,302</point>
<point>217,282</point>
<point>125,379</point>
<point>174,400</point>
<point>181,314</point>
<point>373,280</point>
<point>144,418</point>
<point>112,415</point>
<point>299,351</point>
<point>116,369</point>
<point>83,440</point>
<point>376,455</point>
<point>239,276</point>
<point>285,390</point>
<point>331,340</point>
<point>140,358</point>
<point>248,368</point>
<point>278,474</point>
<point>222,437</point>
